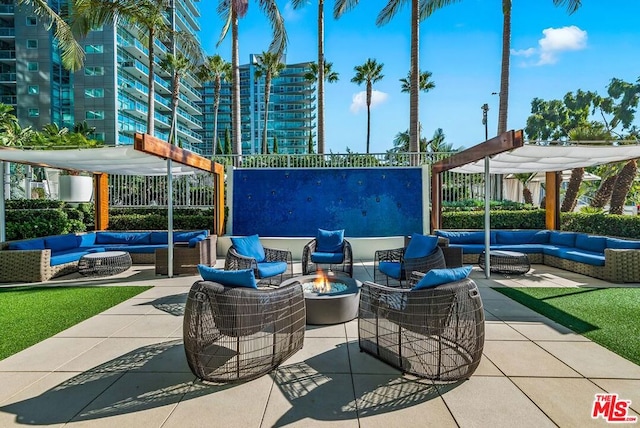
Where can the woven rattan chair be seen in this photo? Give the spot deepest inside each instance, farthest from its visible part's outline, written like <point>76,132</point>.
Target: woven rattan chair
<point>396,268</point>
<point>435,333</point>
<point>338,260</point>
<point>238,333</point>
<point>272,267</point>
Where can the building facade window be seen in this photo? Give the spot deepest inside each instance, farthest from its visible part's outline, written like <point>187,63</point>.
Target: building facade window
<point>32,44</point>
<point>94,93</point>
<point>93,49</point>
<point>34,112</point>
<point>94,114</point>
<point>33,90</point>
<point>32,66</point>
<point>32,21</point>
<point>94,71</point>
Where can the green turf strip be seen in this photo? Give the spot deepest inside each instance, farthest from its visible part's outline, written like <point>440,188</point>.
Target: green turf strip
<point>29,315</point>
<point>608,316</point>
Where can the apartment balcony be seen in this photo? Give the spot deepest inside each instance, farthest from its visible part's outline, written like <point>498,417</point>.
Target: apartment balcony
<point>7,77</point>
<point>7,32</point>
<point>7,9</point>
<point>8,55</point>
<point>9,100</point>
<point>135,109</point>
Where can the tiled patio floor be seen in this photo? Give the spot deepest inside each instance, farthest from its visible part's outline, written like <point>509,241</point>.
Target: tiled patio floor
<point>126,368</point>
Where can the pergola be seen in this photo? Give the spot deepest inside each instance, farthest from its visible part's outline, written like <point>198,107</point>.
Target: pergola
<point>147,156</point>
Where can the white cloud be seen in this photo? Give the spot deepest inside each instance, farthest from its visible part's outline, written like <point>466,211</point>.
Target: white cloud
<point>359,100</point>
<point>554,42</point>
<point>289,13</point>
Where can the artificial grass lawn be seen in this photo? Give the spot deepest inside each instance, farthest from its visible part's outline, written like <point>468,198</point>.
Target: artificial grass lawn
<point>30,315</point>
<point>608,316</point>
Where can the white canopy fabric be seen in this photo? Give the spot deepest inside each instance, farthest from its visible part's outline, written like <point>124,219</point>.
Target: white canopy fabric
<point>120,160</point>
<point>535,158</point>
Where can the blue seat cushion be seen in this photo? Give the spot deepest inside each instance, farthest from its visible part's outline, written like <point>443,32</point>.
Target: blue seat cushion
<point>268,269</point>
<point>442,276</point>
<point>186,236</point>
<point>392,269</point>
<point>521,248</point>
<point>87,239</point>
<point>566,239</point>
<point>522,237</point>
<point>31,244</point>
<point>329,241</point>
<point>194,241</point>
<point>249,246</point>
<point>623,244</point>
<point>159,238</point>
<point>591,242</point>
<point>138,249</point>
<point>66,257</point>
<point>318,257</point>
<point>469,248</point>
<point>420,246</point>
<point>466,237</point>
<point>129,238</point>
<point>61,242</point>
<point>229,278</point>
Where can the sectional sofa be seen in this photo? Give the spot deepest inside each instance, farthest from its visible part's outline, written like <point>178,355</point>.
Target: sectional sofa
<point>611,259</point>
<point>40,259</point>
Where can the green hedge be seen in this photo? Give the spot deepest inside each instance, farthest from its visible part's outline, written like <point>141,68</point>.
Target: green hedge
<point>24,224</point>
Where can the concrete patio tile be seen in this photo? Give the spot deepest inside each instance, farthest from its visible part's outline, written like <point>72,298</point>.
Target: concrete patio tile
<point>324,354</point>
<point>516,358</point>
<point>487,368</point>
<point>484,401</point>
<point>54,399</point>
<point>352,329</point>
<point>333,330</point>
<point>158,291</point>
<point>547,330</point>
<point>48,355</point>
<point>627,389</point>
<point>510,311</point>
<point>390,401</point>
<point>131,307</point>
<point>304,396</point>
<point>499,330</point>
<point>160,326</point>
<point>100,326</point>
<point>568,402</point>
<point>14,382</point>
<point>223,405</point>
<point>363,363</point>
<point>592,360</point>
<point>135,400</point>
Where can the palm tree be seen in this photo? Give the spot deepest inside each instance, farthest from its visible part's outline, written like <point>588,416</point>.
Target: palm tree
<point>231,11</point>
<point>215,69</point>
<point>425,84</point>
<point>178,65</point>
<point>525,178</point>
<point>369,73</point>
<point>572,6</point>
<point>624,181</point>
<point>313,76</point>
<point>268,65</point>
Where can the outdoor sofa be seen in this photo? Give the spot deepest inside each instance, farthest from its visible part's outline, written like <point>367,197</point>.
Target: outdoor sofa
<point>40,259</point>
<point>611,259</point>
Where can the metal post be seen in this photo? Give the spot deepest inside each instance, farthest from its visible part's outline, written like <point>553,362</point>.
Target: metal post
<point>487,222</point>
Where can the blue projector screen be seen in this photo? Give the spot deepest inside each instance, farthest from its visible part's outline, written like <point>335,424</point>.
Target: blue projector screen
<point>366,202</point>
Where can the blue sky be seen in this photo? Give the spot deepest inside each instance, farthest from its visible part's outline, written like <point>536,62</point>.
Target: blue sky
<point>552,53</point>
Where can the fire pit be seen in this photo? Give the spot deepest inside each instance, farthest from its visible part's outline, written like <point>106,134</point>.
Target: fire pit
<point>329,299</point>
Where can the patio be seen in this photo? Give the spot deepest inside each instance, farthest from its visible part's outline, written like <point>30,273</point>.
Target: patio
<point>126,367</point>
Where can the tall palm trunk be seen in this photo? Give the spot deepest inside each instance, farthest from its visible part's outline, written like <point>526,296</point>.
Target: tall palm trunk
<point>573,188</point>
<point>504,70</point>
<point>624,180</point>
<point>414,127</point>
<point>174,107</point>
<point>235,86</point>
<point>217,84</point>
<point>603,194</point>
<point>369,91</point>
<point>151,85</point>
<point>267,93</point>
<point>321,76</point>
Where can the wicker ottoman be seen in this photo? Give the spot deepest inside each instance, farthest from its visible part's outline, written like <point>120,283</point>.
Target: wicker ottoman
<point>508,262</point>
<point>104,264</point>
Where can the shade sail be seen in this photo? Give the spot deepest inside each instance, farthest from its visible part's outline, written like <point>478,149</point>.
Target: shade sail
<point>535,158</point>
<point>120,160</point>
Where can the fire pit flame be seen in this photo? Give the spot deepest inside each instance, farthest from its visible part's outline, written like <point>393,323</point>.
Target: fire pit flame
<point>321,284</point>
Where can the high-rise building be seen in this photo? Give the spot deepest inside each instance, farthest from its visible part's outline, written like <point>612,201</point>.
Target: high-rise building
<point>292,107</point>
<point>110,92</point>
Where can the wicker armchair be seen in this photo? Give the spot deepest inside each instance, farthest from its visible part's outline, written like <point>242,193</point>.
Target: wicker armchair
<point>435,333</point>
<point>273,264</point>
<point>238,333</point>
<point>310,262</point>
<point>397,268</point>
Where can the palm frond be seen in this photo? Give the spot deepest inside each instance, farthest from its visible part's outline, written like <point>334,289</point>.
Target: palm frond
<point>279,41</point>
<point>340,7</point>
<point>389,11</point>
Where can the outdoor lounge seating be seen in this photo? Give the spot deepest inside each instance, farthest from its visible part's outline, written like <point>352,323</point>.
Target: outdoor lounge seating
<point>328,248</point>
<point>40,259</point>
<point>435,332</point>
<point>421,254</point>
<point>611,259</point>
<point>239,333</point>
<point>267,263</point>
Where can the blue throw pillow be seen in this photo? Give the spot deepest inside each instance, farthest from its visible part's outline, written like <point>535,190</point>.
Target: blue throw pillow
<point>194,241</point>
<point>32,244</point>
<point>420,246</point>
<point>229,278</point>
<point>329,241</point>
<point>442,276</point>
<point>249,246</point>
